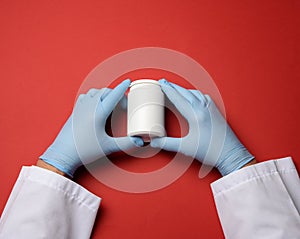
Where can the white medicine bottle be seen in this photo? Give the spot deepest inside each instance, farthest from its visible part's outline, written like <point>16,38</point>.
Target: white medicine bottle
<point>145,113</point>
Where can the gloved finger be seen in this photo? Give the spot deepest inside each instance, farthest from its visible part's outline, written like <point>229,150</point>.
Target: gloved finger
<point>125,143</point>
<point>180,102</point>
<point>80,98</point>
<point>92,92</point>
<point>123,102</point>
<point>98,93</point>
<point>184,92</point>
<point>208,98</point>
<point>114,96</point>
<point>209,101</point>
<point>166,143</point>
<point>104,93</point>
<point>199,96</point>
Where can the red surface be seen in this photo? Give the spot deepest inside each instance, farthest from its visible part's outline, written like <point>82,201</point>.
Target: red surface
<point>249,48</point>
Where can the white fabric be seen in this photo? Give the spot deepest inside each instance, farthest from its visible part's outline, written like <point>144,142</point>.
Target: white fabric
<point>261,201</point>
<point>44,204</point>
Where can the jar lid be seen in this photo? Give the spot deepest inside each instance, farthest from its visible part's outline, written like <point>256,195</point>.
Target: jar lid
<point>144,81</point>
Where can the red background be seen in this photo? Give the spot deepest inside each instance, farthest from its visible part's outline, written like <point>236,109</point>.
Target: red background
<point>249,48</point>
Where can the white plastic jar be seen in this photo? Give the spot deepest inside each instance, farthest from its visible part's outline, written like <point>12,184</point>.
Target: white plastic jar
<point>145,114</point>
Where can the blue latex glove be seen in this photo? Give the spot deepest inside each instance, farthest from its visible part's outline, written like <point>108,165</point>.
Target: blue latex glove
<point>83,139</point>
<point>210,139</point>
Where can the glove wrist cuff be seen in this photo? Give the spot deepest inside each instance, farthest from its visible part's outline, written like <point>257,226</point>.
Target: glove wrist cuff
<point>235,161</point>
<point>60,161</point>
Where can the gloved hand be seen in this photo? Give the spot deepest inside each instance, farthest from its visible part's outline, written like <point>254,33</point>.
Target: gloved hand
<point>210,139</point>
<point>83,139</point>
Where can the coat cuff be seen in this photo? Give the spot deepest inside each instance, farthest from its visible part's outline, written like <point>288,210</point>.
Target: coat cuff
<point>252,172</point>
<point>60,183</point>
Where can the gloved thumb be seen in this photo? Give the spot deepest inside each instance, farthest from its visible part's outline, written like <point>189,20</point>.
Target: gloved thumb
<point>125,143</point>
<point>166,143</point>
<point>114,96</point>
<point>123,103</point>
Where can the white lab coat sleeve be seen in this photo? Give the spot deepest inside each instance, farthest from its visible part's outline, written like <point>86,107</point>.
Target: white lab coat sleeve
<point>260,201</point>
<point>44,204</point>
